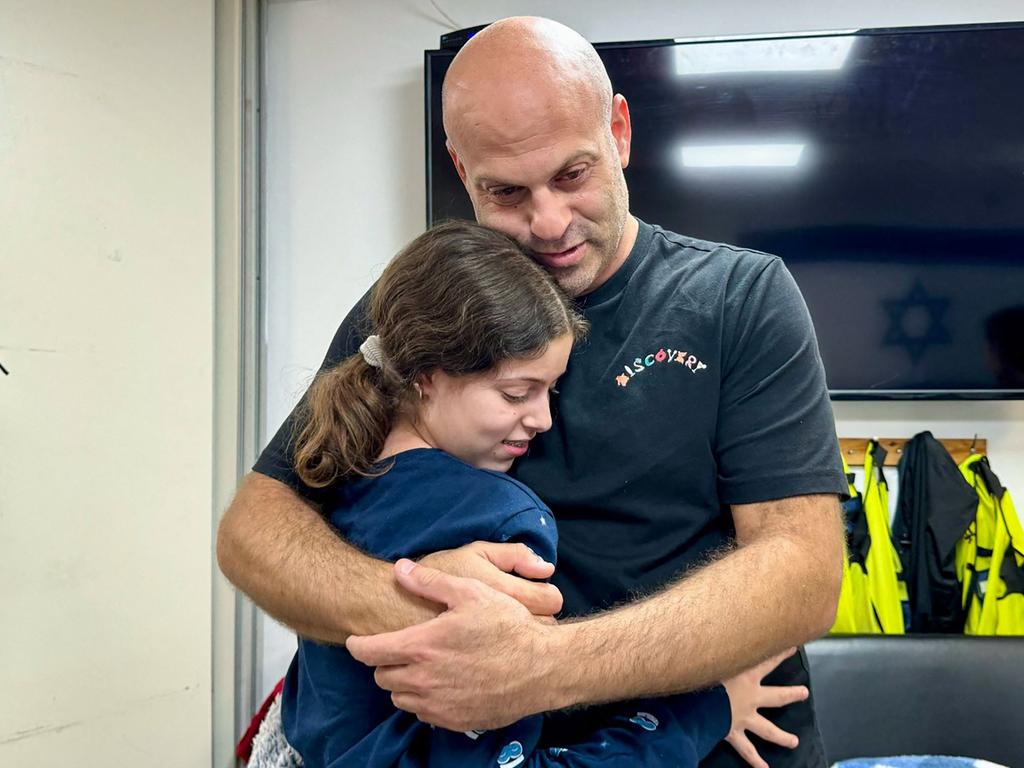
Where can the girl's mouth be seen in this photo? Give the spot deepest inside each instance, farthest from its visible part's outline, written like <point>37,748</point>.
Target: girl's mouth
<point>516,447</point>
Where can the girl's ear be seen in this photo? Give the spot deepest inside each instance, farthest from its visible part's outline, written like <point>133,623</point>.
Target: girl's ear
<point>425,385</point>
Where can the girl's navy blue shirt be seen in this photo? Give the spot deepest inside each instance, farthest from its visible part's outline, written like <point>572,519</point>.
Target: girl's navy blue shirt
<point>333,711</point>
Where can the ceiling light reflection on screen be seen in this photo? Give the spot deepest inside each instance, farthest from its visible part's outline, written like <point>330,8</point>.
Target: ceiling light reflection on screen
<point>742,155</point>
<point>784,55</point>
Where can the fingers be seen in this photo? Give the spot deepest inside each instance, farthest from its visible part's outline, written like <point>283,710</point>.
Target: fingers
<point>769,731</point>
<point>421,708</point>
<point>501,566</point>
<point>782,656</point>
<point>410,702</point>
<point>384,650</point>
<point>389,679</point>
<point>539,599</point>
<point>395,648</point>
<point>746,750</point>
<point>517,558</point>
<point>781,695</point>
<point>768,665</point>
<point>430,583</point>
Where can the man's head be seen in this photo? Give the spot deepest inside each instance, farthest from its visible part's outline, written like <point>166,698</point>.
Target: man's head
<point>540,142</point>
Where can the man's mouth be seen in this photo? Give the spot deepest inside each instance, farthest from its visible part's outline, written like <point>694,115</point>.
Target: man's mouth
<point>561,259</point>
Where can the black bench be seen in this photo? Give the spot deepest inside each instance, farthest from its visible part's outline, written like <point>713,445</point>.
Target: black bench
<point>880,696</point>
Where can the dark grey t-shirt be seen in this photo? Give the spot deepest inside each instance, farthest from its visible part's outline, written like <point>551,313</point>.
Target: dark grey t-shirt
<point>699,386</point>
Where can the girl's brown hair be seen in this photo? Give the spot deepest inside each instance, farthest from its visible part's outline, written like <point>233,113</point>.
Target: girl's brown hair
<point>461,299</point>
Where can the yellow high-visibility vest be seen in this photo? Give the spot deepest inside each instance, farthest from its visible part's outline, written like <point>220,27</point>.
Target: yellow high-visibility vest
<point>886,589</point>
<point>990,557</point>
<point>853,614</point>
<point>872,594</point>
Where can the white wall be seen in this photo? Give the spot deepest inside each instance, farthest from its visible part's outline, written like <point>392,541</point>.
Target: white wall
<point>345,169</point>
<point>106,418</point>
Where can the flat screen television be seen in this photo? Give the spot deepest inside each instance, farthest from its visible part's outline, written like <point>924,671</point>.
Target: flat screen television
<point>885,166</point>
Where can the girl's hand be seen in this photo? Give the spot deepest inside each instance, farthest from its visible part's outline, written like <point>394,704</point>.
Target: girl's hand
<point>747,695</point>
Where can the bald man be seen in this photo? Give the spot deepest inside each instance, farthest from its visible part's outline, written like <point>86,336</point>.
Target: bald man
<point>692,462</point>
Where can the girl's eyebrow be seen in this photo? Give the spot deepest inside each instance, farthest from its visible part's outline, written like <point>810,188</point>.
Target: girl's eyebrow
<point>515,379</point>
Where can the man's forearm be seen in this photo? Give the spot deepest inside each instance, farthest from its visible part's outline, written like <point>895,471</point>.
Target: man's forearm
<point>778,590</point>
<point>281,553</point>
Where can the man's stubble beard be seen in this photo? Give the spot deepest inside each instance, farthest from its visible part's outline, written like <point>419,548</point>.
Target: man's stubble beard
<point>579,280</point>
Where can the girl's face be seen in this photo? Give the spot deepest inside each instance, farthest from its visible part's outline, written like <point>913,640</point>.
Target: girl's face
<point>488,419</point>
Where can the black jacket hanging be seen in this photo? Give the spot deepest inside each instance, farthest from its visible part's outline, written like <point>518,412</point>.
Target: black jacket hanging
<point>935,507</point>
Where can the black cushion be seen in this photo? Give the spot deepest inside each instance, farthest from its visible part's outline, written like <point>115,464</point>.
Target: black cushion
<point>879,696</point>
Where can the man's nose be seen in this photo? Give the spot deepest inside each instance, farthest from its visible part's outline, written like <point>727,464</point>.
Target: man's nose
<point>550,216</point>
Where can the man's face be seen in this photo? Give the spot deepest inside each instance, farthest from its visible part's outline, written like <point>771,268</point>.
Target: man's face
<point>554,182</point>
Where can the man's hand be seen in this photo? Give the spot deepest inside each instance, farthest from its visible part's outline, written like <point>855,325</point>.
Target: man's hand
<point>494,564</point>
<point>746,696</point>
<point>479,664</point>
<point>277,549</point>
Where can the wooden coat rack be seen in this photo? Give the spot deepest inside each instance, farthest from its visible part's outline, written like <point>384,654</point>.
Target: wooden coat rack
<point>853,448</point>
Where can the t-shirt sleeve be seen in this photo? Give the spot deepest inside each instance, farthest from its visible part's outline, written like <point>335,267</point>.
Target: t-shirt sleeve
<point>534,527</point>
<point>776,432</point>
<point>277,459</point>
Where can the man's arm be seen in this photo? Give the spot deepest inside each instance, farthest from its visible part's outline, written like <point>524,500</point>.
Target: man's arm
<point>778,588</point>
<point>278,550</point>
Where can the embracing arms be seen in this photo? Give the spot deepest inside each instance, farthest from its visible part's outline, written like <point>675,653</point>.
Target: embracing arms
<point>277,549</point>
<point>778,588</point>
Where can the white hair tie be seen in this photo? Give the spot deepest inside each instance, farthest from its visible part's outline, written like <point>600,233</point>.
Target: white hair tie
<point>372,352</point>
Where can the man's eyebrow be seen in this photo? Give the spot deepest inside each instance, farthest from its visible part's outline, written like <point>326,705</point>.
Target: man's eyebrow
<point>487,181</point>
<point>585,154</point>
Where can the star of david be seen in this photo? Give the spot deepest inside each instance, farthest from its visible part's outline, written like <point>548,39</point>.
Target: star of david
<point>916,321</point>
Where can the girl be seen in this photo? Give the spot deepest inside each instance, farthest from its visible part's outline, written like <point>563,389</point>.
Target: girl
<point>409,441</point>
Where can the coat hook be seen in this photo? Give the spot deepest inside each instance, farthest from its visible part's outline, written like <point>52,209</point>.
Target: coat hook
<point>974,442</point>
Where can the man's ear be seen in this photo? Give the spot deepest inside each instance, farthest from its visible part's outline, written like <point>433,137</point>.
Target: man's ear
<point>459,167</point>
<point>622,131</point>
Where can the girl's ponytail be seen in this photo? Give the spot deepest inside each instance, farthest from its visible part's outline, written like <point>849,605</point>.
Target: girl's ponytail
<point>346,416</point>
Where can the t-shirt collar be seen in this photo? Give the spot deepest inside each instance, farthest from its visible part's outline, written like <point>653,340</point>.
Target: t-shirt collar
<point>614,285</point>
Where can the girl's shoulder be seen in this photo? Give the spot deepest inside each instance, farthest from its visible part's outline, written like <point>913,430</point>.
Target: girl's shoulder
<point>429,500</point>
<point>424,466</point>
